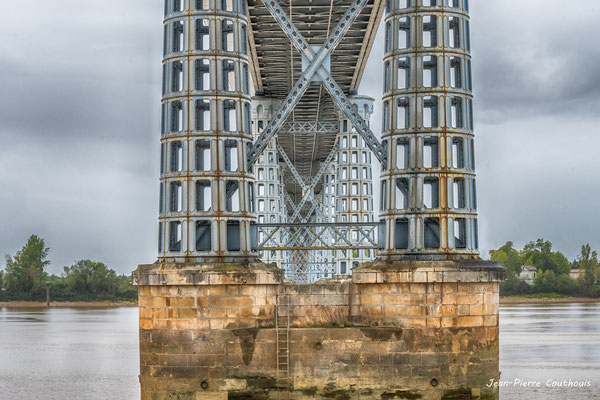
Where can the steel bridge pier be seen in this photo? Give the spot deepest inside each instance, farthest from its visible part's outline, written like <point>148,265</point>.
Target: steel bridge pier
<point>256,133</point>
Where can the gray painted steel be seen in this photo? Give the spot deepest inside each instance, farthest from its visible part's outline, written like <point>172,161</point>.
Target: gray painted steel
<point>256,129</point>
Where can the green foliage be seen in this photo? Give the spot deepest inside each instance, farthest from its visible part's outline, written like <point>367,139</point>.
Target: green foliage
<point>59,291</point>
<point>88,277</point>
<point>550,282</point>
<point>514,287</point>
<point>588,291</point>
<point>588,262</point>
<point>125,290</point>
<point>92,280</point>
<point>545,296</point>
<point>25,278</point>
<point>509,258</point>
<point>553,270</point>
<point>26,271</point>
<point>540,255</point>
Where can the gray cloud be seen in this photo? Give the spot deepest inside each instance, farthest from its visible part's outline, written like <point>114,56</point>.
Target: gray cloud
<point>538,100</point>
<point>80,84</point>
<point>79,128</point>
<point>535,58</point>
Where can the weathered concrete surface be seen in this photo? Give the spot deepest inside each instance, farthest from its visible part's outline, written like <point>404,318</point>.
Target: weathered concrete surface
<point>405,330</point>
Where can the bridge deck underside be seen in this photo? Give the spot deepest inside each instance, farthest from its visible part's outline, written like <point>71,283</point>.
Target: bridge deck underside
<point>277,65</point>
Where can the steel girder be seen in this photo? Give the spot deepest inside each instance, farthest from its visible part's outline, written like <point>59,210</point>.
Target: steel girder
<point>316,67</point>
<point>316,60</point>
<point>301,238</point>
<point>311,127</point>
<point>300,265</point>
<point>308,190</point>
<point>321,236</point>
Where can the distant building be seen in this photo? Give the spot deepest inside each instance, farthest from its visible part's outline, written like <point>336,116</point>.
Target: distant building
<point>575,273</point>
<point>528,273</point>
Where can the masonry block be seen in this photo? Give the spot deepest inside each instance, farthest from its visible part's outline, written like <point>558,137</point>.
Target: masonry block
<point>216,337</point>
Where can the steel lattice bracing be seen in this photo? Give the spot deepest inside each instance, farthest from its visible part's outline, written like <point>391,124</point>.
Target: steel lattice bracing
<point>267,149</point>
<point>310,128</point>
<point>296,94</point>
<point>318,236</point>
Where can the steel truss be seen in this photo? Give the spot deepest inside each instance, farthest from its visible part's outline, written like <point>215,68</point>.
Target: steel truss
<point>315,68</point>
<point>308,191</point>
<point>319,236</point>
<point>311,127</point>
<point>302,265</point>
<point>307,243</point>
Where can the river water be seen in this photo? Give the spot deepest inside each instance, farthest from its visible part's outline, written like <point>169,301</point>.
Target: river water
<point>68,354</point>
<point>81,353</point>
<point>548,344</point>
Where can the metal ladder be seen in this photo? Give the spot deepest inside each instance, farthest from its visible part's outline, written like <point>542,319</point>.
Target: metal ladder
<point>282,329</point>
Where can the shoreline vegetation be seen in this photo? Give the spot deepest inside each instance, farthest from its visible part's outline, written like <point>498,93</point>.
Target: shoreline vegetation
<point>74,304</point>
<point>24,279</point>
<point>546,300</point>
<point>539,271</point>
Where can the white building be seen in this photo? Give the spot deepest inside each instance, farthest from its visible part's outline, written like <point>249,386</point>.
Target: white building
<point>528,273</point>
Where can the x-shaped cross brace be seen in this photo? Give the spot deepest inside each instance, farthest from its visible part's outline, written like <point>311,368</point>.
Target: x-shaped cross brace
<point>316,67</point>
<point>306,187</point>
<point>308,190</point>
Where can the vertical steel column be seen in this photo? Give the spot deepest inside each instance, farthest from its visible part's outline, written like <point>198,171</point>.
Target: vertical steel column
<point>428,200</point>
<point>327,258</point>
<point>206,129</point>
<point>354,184</point>
<point>270,203</point>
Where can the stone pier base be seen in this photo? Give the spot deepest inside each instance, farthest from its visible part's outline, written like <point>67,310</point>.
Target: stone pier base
<point>402,330</point>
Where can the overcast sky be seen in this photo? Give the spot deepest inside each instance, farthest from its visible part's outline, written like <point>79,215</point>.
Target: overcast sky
<point>79,125</point>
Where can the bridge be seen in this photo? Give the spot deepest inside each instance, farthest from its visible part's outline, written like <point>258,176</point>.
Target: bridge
<point>266,145</point>
<point>267,158</point>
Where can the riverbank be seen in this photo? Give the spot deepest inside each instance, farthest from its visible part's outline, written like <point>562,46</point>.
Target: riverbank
<point>36,304</point>
<point>546,300</point>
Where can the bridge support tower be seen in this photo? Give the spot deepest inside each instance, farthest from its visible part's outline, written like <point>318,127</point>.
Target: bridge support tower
<point>419,321</point>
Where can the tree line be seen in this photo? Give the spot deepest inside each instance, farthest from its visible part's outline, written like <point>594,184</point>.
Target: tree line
<point>24,278</point>
<point>553,270</point>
